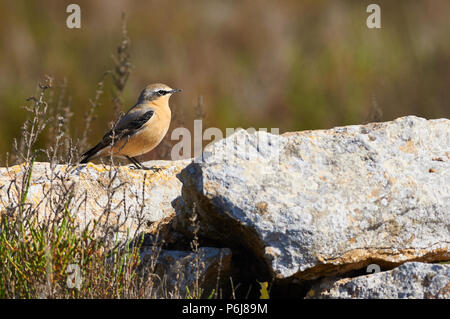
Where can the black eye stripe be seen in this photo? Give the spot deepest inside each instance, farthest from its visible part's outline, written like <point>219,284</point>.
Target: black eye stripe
<point>150,95</point>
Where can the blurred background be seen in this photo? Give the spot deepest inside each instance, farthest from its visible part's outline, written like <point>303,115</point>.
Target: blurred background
<point>293,65</point>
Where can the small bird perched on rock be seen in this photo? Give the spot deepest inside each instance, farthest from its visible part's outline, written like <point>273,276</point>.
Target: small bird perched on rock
<point>140,130</point>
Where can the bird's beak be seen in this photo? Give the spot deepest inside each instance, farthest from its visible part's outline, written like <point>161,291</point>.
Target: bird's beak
<point>175,91</point>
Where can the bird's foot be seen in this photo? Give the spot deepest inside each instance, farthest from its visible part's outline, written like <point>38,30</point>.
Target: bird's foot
<point>134,166</point>
<point>154,169</point>
<point>138,165</point>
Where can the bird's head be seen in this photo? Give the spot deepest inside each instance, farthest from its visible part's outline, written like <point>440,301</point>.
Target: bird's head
<point>156,92</point>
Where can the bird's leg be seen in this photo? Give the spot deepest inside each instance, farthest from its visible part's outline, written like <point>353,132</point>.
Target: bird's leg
<point>140,166</point>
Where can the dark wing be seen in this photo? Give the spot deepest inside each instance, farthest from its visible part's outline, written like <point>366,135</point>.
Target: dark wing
<point>128,125</point>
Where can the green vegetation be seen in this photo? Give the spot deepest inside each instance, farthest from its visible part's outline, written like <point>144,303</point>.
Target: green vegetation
<point>36,258</point>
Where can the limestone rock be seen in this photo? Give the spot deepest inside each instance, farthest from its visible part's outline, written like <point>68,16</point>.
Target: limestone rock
<point>318,203</point>
<point>410,280</point>
<point>134,202</point>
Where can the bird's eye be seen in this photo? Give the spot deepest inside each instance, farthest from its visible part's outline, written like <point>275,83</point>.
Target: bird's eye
<point>161,92</point>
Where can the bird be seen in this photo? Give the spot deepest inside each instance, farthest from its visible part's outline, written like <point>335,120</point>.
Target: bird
<point>140,130</point>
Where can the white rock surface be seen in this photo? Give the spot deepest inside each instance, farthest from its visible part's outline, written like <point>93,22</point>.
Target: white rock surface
<point>322,202</point>
<point>410,280</point>
<point>134,201</point>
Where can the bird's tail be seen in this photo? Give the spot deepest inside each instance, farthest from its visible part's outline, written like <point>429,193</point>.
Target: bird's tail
<point>90,154</point>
